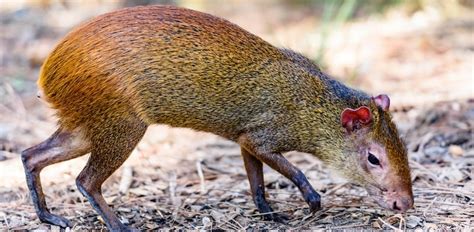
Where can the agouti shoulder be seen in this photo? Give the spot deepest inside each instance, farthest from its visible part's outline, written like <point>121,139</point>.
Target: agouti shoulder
<point>120,72</point>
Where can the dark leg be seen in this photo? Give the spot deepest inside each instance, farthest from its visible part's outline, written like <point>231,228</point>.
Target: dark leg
<point>61,146</point>
<point>109,151</point>
<point>283,166</point>
<point>254,169</point>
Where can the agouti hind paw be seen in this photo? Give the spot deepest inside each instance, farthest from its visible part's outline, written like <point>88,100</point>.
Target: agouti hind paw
<point>55,220</point>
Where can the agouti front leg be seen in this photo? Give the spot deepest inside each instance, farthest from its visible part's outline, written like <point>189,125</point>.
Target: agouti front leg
<point>61,146</point>
<point>284,167</point>
<point>111,146</point>
<point>254,168</point>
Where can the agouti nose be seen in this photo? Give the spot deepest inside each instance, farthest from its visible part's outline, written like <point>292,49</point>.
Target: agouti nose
<point>402,203</point>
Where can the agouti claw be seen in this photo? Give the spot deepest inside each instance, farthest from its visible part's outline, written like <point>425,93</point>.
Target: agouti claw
<point>315,206</point>
<point>314,202</point>
<point>55,220</point>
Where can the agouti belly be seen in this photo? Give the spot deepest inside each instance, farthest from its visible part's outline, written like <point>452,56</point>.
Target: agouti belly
<point>120,72</point>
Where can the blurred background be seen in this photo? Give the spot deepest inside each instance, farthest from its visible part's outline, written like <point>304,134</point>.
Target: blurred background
<point>420,52</point>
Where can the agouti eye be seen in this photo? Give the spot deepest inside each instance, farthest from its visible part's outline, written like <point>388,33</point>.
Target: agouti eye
<point>373,160</point>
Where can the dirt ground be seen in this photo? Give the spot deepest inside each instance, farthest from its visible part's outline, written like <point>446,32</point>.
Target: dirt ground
<point>183,179</point>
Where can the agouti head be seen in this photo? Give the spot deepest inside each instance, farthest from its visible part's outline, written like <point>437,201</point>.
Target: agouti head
<point>372,142</point>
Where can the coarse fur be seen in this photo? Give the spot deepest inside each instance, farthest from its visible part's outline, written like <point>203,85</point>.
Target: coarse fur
<point>113,76</point>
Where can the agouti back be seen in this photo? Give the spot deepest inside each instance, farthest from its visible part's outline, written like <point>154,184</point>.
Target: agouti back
<point>113,76</point>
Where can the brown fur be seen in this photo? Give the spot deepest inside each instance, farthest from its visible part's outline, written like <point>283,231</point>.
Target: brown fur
<point>122,71</point>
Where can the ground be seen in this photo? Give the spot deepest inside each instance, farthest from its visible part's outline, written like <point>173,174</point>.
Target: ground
<point>183,179</point>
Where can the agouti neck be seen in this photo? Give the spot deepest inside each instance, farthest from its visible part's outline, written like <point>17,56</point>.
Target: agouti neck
<point>316,122</point>
<point>336,92</point>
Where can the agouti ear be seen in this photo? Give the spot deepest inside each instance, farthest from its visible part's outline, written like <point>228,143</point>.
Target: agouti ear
<point>382,101</point>
<point>353,119</point>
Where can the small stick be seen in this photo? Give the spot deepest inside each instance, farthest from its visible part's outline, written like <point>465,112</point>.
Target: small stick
<point>315,217</point>
<point>402,222</point>
<point>126,181</point>
<point>159,212</point>
<point>241,227</point>
<point>442,203</point>
<point>429,206</point>
<point>334,189</point>
<point>172,188</point>
<point>19,103</point>
<point>387,224</point>
<point>201,176</point>
<point>348,226</point>
<point>455,191</point>
<point>6,221</point>
<point>275,211</point>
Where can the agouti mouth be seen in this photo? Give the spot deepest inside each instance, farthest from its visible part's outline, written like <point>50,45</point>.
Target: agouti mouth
<point>378,194</point>
<point>392,200</point>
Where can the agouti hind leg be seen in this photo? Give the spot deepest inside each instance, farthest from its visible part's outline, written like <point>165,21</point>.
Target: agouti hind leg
<point>61,146</point>
<point>254,168</point>
<point>110,148</point>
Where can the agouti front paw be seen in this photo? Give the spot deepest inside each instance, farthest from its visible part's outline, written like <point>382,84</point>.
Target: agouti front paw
<point>54,219</point>
<point>314,201</point>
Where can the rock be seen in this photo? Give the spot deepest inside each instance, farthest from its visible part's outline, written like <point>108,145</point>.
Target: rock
<point>413,221</point>
<point>434,151</point>
<point>431,227</point>
<point>218,216</point>
<point>456,151</point>
<point>2,156</point>
<point>206,222</point>
<point>453,174</point>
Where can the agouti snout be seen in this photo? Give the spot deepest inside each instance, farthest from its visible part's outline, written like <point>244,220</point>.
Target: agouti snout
<point>118,73</point>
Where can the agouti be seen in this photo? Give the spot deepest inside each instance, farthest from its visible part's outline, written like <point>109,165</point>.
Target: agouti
<point>118,73</point>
